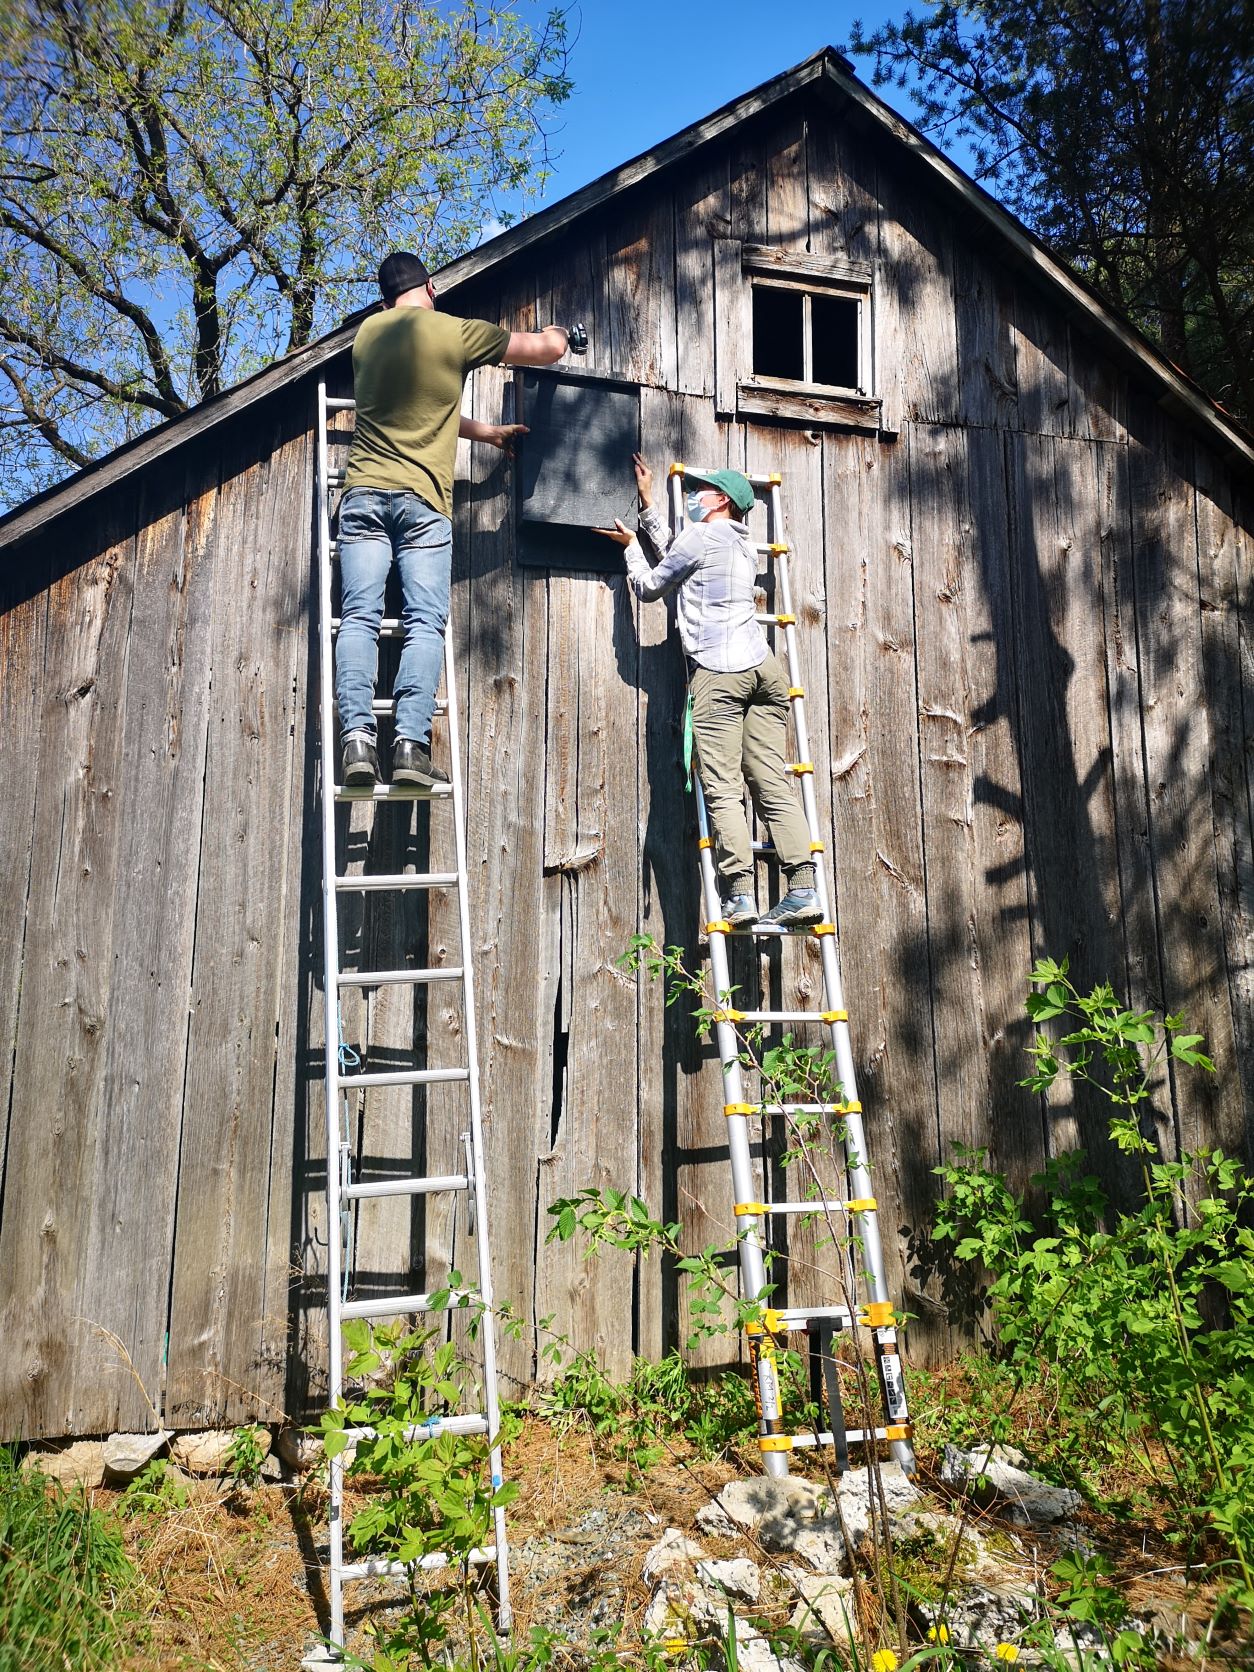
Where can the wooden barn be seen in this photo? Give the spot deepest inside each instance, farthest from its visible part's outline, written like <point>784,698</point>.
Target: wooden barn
<point>1023,551</point>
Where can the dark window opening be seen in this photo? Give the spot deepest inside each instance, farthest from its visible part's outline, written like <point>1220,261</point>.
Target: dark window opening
<point>778,332</point>
<point>834,340</point>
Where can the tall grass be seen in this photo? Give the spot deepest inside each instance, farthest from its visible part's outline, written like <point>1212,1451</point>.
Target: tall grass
<point>64,1578</point>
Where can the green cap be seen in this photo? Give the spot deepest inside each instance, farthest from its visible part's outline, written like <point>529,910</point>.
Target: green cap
<point>738,488</point>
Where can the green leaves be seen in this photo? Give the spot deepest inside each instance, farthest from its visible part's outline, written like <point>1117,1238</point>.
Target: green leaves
<point>188,190</point>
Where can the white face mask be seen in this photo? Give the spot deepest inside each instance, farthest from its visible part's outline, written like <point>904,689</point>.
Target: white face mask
<point>696,511</point>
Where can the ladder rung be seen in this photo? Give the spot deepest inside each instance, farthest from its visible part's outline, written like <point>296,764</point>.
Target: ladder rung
<point>854,1437</point>
<point>770,1015</point>
<point>776,619</point>
<point>391,1306</point>
<point>790,1318</point>
<point>770,931</point>
<point>405,1077</point>
<point>392,792</point>
<point>391,627</point>
<point>398,978</point>
<point>341,403</point>
<point>385,707</point>
<point>777,1209</point>
<point>378,1568</point>
<point>402,880</point>
<point>407,1187</point>
<point>469,1424</point>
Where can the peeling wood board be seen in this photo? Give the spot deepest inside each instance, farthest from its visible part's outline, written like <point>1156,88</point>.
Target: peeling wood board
<point>988,372</point>
<point>131,1202</point>
<point>511,901</point>
<point>702,207</point>
<point>59,1375</point>
<point>217,1369</point>
<point>1066,749</point>
<point>878,858</point>
<point>1226,574</point>
<point>787,194</point>
<point>916,370</point>
<point>1142,977</point>
<point>594,1132</point>
<point>1177,753</point>
<point>978,928</point>
<point>23,629</point>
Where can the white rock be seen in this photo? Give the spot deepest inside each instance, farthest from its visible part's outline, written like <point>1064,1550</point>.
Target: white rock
<point>126,1454</point>
<point>982,1616</point>
<point>672,1550</point>
<point>1030,1502</point>
<point>300,1451</point>
<point>739,1578</point>
<point>203,1453</point>
<point>826,1609</point>
<point>789,1515</point>
<point>679,1609</point>
<point>859,1496</point>
<point>72,1462</point>
<point>755,1654</point>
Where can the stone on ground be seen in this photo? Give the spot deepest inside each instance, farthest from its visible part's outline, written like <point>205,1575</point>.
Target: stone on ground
<point>1029,1500</point>
<point>72,1462</point>
<point>672,1550</point>
<point>789,1515</point>
<point>126,1454</point>
<point>826,1609</point>
<point>203,1453</point>
<point>738,1578</point>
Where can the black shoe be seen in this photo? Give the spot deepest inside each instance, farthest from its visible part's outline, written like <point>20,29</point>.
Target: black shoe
<point>412,764</point>
<point>360,759</point>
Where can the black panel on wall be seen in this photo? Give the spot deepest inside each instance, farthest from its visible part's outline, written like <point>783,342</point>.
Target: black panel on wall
<point>574,471</point>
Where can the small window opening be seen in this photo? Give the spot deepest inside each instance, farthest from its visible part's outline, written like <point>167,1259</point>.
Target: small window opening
<point>778,332</point>
<point>834,333</point>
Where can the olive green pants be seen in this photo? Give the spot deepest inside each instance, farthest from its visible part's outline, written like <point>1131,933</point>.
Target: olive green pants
<point>740,732</point>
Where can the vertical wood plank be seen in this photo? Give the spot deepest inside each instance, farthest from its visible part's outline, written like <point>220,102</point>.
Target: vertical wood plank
<point>1226,574</point>
<point>1042,364</point>
<point>844,207</point>
<point>916,341</point>
<point>878,860</point>
<point>217,1368</point>
<point>1177,753</point>
<point>978,924</point>
<point>130,1243</point>
<point>59,1375</point>
<point>640,288</point>
<point>702,216</point>
<point>787,193</point>
<point>23,628</point>
<point>988,377</point>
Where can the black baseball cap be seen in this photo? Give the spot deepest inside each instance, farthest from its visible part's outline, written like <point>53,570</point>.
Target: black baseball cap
<point>401,271</point>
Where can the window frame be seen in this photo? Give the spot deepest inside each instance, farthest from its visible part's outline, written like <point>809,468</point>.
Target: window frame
<point>760,394</point>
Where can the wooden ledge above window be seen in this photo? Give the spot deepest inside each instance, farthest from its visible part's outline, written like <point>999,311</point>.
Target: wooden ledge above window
<point>804,268</point>
<point>809,403</point>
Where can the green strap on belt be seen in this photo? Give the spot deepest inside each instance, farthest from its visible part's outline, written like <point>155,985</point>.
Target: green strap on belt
<point>688,743</point>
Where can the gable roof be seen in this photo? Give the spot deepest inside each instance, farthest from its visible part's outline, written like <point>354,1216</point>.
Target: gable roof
<point>825,69</point>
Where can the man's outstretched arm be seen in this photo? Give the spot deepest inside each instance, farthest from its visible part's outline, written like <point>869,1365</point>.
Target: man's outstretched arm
<point>495,435</point>
<point>537,348</point>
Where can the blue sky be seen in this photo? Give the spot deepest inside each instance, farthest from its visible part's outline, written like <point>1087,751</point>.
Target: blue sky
<point>644,69</point>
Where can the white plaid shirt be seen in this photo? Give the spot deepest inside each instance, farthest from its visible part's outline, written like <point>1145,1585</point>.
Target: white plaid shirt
<point>714,566</point>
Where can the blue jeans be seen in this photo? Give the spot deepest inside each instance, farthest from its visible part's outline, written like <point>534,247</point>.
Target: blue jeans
<point>377,526</point>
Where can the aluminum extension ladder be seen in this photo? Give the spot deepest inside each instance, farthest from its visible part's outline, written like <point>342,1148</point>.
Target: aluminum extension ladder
<point>752,1207</point>
<point>342,1192</point>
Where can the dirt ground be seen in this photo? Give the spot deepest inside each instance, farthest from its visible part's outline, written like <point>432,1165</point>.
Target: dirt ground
<point>234,1579</point>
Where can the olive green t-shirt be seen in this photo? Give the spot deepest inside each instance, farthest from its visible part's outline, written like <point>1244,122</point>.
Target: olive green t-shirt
<point>409,365</point>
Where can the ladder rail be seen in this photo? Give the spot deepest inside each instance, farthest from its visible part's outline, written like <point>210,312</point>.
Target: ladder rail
<point>862,1216</point>
<point>331,1023</point>
<point>342,1193</point>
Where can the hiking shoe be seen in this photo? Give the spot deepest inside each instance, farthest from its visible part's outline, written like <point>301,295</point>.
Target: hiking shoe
<point>360,760</point>
<point>739,909</point>
<point>412,764</point>
<point>797,910</point>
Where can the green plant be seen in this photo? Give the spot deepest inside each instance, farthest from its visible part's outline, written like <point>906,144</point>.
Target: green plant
<point>1116,1303</point>
<point>155,1490</point>
<point>245,1455</point>
<point>66,1584</point>
<point>434,1492</point>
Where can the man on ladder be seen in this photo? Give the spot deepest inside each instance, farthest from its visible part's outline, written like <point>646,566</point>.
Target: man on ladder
<point>409,365</point>
<point>737,690</point>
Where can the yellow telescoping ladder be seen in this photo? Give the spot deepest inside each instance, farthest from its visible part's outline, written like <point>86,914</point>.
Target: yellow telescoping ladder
<point>344,1078</point>
<point>753,1210</point>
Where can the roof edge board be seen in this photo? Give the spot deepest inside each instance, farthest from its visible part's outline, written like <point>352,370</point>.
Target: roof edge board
<point>1048,269</point>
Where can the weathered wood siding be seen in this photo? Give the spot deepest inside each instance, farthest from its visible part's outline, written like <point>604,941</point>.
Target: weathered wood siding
<point>1026,647</point>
